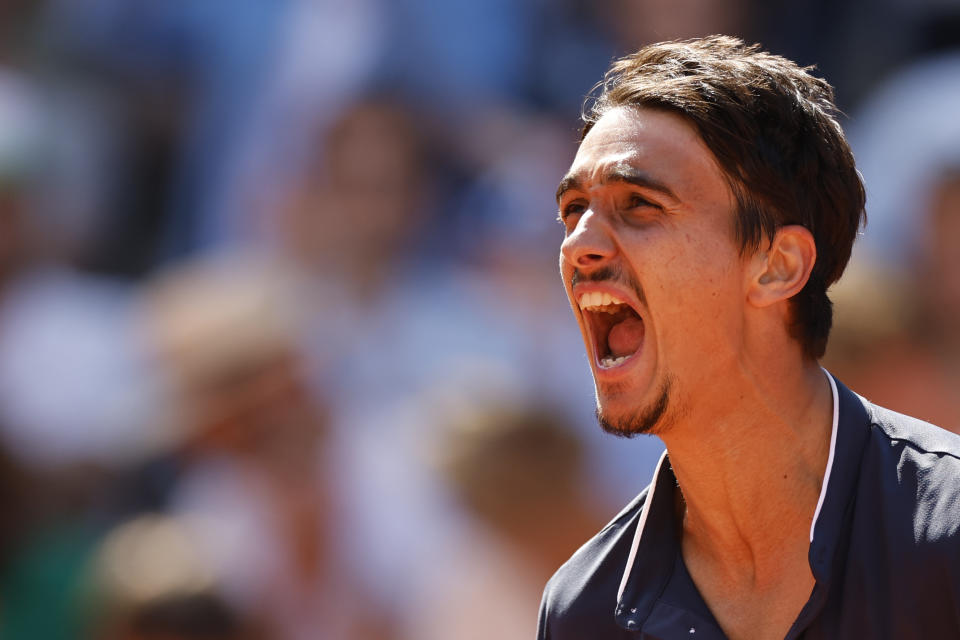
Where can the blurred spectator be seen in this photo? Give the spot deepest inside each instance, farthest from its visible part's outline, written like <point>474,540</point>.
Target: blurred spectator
<point>324,56</point>
<point>257,489</point>
<point>519,474</point>
<point>150,582</point>
<point>360,204</point>
<point>352,231</point>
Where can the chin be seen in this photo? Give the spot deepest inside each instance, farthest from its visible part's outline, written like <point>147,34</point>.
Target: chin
<point>651,418</point>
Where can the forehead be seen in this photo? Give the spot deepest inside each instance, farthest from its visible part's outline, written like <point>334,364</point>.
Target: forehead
<point>657,143</point>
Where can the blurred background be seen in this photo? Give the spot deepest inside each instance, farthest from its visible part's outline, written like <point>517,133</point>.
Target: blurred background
<point>284,353</point>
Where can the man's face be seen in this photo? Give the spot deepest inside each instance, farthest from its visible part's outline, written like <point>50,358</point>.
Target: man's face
<point>651,268</point>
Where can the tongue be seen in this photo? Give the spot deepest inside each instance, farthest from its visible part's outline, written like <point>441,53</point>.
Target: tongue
<point>625,337</point>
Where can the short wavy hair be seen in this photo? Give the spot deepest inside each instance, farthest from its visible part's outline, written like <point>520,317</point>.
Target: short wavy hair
<point>773,129</point>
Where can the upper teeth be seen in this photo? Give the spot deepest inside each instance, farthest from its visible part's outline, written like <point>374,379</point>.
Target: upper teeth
<point>598,301</point>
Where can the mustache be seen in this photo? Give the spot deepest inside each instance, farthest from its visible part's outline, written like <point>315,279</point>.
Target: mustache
<point>610,274</point>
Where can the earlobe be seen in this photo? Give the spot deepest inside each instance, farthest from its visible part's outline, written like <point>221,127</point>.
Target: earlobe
<point>784,268</point>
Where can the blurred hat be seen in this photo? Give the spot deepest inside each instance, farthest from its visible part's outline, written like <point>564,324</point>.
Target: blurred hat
<point>149,558</point>
<point>220,314</point>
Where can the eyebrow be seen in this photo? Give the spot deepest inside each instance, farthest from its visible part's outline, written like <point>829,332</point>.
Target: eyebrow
<point>628,175</point>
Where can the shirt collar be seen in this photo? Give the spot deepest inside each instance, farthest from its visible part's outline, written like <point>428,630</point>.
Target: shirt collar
<point>851,430</point>
<point>653,551</point>
<point>656,540</point>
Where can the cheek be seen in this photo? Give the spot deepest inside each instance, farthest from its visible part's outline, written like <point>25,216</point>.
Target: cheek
<point>700,271</point>
<point>701,295</point>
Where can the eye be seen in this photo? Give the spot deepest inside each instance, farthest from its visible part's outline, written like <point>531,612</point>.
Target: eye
<point>573,208</point>
<point>637,200</point>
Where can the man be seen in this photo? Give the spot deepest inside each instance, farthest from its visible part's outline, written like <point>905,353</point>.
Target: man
<point>712,201</point>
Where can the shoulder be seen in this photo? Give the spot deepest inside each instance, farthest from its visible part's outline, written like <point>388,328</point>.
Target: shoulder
<point>582,594</point>
<point>921,436</point>
<point>917,464</point>
<point>903,552</point>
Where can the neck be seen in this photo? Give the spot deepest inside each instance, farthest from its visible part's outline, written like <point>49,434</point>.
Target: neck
<point>750,472</point>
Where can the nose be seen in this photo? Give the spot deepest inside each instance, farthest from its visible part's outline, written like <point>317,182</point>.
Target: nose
<point>590,244</point>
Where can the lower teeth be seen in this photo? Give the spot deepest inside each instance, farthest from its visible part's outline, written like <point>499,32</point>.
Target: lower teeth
<point>612,362</point>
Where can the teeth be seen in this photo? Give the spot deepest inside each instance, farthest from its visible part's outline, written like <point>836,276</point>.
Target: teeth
<point>597,301</point>
<point>609,361</point>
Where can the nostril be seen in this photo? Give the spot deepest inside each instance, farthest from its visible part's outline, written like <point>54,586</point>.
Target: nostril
<point>588,258</point>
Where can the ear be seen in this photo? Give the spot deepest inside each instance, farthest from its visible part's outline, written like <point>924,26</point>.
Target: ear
<point>783,269</point>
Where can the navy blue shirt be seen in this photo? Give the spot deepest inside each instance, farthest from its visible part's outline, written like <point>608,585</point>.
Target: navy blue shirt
<point>884,550</point>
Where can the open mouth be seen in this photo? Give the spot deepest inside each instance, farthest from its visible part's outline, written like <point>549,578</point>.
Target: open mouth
<point>617,329</point>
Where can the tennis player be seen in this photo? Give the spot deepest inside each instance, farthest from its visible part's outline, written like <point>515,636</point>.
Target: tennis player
<point>712,201</point>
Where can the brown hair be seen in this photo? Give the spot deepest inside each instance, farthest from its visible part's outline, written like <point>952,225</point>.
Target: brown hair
<point>772,127</point>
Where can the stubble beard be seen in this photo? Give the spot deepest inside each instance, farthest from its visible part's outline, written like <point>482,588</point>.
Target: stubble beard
<point>649,420</point>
